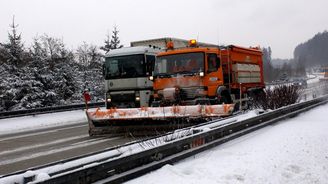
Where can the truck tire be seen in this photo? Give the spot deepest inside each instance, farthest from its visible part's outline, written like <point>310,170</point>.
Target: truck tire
<point>225,97</point>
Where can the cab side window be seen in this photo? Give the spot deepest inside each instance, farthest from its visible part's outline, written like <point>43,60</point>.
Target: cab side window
<point>213,63</point>
<point>150,62</point>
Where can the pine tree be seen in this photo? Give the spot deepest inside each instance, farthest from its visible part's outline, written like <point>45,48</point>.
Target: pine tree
<point>108,46</point>
<point>115,41</point>
<point>3,54</point>
<point>14,47</point>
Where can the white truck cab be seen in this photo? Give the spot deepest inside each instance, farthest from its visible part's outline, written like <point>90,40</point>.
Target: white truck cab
<point>126,72</point>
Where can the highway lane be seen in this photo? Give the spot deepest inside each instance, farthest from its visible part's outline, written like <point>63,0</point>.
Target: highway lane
<point>21,151</point>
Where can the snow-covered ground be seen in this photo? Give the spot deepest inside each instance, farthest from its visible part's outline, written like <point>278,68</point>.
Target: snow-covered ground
<point>293,151</point>
<point>28,123</point>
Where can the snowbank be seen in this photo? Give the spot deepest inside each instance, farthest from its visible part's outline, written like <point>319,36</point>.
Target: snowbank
<point>293,151</point>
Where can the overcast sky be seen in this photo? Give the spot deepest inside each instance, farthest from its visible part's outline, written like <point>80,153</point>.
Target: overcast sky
<point>281,24</point>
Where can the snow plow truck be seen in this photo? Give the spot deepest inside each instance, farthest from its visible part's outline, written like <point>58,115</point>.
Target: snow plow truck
<point>191,85</point>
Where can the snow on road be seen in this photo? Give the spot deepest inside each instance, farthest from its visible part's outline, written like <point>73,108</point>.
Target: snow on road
<point>293,151</point>
<point>28,123</point>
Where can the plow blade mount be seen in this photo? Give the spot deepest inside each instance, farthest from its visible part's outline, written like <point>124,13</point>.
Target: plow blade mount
<point>152,120</point>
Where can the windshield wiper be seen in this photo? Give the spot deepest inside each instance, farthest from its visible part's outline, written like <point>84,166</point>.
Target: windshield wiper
<point>163,75</point>
<point>189,73</point>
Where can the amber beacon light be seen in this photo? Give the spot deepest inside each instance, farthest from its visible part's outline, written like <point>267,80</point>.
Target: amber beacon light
<point>192,43</point>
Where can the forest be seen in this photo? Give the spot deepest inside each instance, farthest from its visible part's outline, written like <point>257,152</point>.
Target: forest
<point>313,52</point>
<point>47,73</point>
<point>309,55</point>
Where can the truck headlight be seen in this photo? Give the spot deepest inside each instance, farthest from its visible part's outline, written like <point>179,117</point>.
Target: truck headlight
<point>137,98</point>
<point>109,99</point>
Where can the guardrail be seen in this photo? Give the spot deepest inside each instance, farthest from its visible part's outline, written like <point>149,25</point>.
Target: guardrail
<point>122,168</point>
<point>26,112</point>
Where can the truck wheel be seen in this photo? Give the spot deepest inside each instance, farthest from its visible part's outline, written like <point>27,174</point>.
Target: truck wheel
<point>225,97</point>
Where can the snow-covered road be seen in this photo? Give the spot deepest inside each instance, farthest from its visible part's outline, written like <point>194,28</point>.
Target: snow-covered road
<point>293,151</point>
<point>37,140</point>
<point>42,121</point>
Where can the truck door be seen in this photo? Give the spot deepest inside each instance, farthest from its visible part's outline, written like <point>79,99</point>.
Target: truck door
<point>213,73</point>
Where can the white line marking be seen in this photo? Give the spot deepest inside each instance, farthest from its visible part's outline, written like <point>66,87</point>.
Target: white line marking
<point>57,150</point>
<point>39,133</point>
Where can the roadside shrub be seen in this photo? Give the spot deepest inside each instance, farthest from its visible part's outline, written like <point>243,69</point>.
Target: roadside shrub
<point>276,97</point>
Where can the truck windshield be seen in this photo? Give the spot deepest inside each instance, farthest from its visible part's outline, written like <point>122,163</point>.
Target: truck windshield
<point>186,63</point>
<point>125,67</point>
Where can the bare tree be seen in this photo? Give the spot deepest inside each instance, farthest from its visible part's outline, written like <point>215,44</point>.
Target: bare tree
<point>88,55</point>
<point>54,50</point>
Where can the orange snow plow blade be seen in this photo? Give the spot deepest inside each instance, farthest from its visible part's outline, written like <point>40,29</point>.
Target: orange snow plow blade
<point>152,120</point>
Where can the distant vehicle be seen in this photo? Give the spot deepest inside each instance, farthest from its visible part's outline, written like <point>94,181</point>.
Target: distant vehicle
<point>325,73</point>
<point>299,82</point>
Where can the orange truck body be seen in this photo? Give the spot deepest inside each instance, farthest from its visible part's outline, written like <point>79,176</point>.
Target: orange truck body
<point>240,70</point>
<point>325,74</point>
<point>245,66</point>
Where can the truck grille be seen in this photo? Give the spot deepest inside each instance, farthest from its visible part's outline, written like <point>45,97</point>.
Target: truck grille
<point>123,97</point>
<point>188,93</point>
